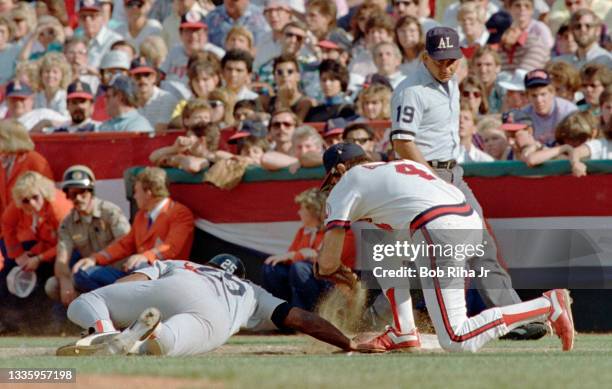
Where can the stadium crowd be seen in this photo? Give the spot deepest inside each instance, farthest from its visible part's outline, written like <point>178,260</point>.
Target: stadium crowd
<point>245,79</point>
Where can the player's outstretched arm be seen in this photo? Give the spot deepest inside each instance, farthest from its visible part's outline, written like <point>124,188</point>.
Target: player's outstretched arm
<point>317,327</point>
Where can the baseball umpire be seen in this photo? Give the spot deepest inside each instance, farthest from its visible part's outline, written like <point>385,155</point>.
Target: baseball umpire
<point>425,129</point>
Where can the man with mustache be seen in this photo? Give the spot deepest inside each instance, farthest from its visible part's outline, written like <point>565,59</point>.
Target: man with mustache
<point>90,226</point>
<point>80,106</point>
<point>155,104</point>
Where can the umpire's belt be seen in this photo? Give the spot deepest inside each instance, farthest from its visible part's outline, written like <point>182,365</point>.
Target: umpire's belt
<point>442,164</point>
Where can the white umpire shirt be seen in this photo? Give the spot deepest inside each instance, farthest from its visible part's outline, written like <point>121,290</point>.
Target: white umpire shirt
<point>425,111</point>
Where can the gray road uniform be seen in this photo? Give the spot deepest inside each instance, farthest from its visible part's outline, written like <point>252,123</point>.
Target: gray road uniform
<point>425,111</point>
<point>201,306</point>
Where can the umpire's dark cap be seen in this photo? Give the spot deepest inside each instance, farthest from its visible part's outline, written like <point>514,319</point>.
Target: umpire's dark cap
<point>443,43</point>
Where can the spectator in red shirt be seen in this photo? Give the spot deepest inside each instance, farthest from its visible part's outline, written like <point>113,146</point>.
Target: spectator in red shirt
<point>290,275</point>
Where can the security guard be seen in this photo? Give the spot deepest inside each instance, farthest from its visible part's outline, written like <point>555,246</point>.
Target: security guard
<point>425,129</point>
<point>90,226</point>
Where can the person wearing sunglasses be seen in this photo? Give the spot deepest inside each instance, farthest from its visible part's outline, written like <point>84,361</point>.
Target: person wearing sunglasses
<point>473,92</point>
<point>277,13</point>
<point>90,226</point>
<point>288,93</point>
<point>139,25</point>
<point>363,135</point>
<point>585,27</point>
<point>30,224</point>
<point>292,44</point>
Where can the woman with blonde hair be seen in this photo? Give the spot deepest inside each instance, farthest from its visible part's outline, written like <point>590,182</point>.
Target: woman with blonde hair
<point>17,155</point>
<point>31,222</point>
<point>154,49</point>
<point>289,275</point>
<point>54,76</point>
<point>24,17</point>
<point>373,102</point>
<point>49,34</point>
<point>239,38</point>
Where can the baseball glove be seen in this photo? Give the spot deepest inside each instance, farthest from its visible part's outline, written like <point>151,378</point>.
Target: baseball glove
<point>342,275</point>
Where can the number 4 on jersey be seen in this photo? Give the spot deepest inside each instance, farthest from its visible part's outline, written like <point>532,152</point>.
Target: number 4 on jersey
<point>411,170</point>
<point>403,168</point>
<point>405,113</point>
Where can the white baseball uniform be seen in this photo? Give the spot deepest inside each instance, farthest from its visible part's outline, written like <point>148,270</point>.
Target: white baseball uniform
<point>404,196</point>
<point>201,306</point>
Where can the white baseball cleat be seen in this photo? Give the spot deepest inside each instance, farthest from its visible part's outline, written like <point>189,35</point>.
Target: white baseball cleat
<point>560,318</point>
<point>137,332</point>
<point>87,345</point>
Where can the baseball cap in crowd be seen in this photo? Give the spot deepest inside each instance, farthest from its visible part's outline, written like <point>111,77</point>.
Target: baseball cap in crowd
<point>115,59</point>
<point>79,90</point>
<point>90,5</point>
<point>537,77</point>
<point>249,128</point>
<point>18,89</point>
<point>193,20</point>
<point>339,153</point>
<point>443,43</point>
<point>334,127</point>
<point>141,65</point>
<point>21,283</point>
<point>497,24</point>
<point>335,42</point>
<point>513,81</point>
<point>516,120</point>
<point>124,84</point>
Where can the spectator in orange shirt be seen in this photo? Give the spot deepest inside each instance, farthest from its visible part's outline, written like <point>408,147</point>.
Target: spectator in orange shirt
<point>162,229</point>
<point>290,275</point>
<point>31,222</point>
<point>17,156</point>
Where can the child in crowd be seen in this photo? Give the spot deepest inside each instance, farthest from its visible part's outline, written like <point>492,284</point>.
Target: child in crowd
<point>600,148</point>
<point>573,131</point>
<point>290,275</point>
<point>495,140</point>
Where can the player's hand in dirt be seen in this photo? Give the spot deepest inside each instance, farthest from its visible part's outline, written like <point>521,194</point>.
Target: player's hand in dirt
<point>83,264</point>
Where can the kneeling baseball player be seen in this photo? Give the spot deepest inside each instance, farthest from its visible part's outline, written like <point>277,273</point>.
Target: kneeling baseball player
<point>407,197</point>
<point>181,308</point>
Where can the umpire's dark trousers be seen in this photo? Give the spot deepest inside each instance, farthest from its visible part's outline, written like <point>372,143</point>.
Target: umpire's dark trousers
<point>496,289</point>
